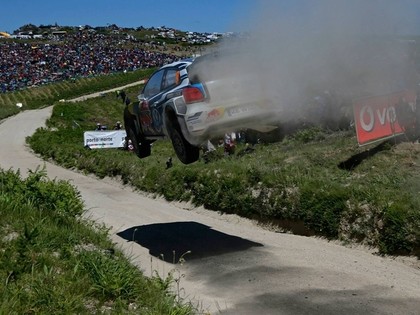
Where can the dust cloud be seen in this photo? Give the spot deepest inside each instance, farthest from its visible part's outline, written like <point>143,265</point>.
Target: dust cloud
<point>307,51</point>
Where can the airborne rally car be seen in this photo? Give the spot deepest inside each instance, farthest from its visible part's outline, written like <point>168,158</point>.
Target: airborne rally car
<point>191,101</point>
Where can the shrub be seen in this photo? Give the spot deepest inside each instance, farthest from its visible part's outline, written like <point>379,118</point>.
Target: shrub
<point>396,236</point>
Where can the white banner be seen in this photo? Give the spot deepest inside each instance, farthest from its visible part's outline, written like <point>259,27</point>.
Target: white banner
<point>104,139</point>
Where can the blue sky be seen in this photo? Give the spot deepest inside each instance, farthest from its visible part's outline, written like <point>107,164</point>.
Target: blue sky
<point>194,15</point>
<point>202,15</point>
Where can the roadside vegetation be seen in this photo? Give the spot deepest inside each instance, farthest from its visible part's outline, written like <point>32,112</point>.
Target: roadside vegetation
<point>32,98</point>
<point>51,260</point>
<point>312,182</point>
<point>54,261</point>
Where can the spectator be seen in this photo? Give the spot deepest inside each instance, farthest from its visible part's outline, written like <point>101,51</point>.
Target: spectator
<point>118,126</point>
<point>229,145</point>
<point>76,55</point>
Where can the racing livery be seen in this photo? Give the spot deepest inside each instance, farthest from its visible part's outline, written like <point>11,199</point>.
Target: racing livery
<point>181,103</point>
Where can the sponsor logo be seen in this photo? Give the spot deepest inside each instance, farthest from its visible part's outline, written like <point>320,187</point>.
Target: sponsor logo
<point>157,120</point>
<point>215,114</point>
<point>377,117</point>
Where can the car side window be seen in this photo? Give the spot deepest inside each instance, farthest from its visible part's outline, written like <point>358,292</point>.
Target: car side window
<point>171,79</point>
<point>154,84</point>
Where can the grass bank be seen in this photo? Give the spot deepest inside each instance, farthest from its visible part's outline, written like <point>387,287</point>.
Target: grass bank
<point>313,182</point>
<point>36,97</point>
<point>54,262</point>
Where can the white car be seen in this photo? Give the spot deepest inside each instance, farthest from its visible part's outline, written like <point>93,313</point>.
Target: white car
<point>194,100</point>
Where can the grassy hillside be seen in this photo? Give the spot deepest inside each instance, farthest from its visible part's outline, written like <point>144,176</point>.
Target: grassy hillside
<point>54,262</point>
<point>37,97</point>
<point>313,182</point>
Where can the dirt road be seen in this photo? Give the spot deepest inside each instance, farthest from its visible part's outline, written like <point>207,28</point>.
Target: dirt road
<point>235,266</point>
<point>85,97</point>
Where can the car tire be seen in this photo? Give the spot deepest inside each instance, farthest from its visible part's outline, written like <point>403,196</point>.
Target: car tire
<point>141,147</point>
<point>186,152</point>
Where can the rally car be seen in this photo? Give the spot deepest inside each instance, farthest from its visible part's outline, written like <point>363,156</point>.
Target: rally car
<point>191,101</point>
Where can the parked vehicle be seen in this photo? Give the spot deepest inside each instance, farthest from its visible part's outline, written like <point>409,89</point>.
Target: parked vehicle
<point>191,103</point>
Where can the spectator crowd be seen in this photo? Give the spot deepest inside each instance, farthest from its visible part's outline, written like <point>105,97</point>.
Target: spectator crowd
<point>25,64</point>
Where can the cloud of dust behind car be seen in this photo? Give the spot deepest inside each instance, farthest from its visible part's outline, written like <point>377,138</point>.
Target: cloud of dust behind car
<point>296,52</point>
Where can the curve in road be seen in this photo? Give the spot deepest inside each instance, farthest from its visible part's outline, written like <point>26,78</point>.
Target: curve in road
<point>234,266</point>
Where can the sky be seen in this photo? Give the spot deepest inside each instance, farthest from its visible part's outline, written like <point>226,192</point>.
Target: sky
<point>186,15</point>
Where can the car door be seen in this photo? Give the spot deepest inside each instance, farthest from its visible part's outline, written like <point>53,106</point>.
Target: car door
<point>153,97</point>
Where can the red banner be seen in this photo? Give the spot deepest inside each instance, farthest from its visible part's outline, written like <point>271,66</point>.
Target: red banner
<point>384,116</point>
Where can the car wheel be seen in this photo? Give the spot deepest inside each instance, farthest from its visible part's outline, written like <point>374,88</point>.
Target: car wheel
<point>141,147</point>
<point>186,152</point>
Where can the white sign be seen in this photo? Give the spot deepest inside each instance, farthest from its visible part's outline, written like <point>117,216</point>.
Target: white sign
<point>104,139</point>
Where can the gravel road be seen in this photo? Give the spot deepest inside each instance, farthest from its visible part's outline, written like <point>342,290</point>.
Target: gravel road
<point>234,266</point>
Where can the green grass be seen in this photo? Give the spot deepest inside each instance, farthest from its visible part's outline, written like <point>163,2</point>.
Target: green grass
<point>52,261</point>
<point>290,183</point>
<point>45,95</point>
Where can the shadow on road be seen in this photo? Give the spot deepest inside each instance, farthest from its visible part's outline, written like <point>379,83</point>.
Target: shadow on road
<point>170,241</point>
<point>369,300</point>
